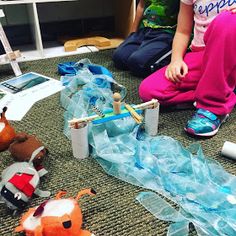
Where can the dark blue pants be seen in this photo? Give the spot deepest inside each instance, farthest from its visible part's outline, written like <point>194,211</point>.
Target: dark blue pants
<point>142,49</point>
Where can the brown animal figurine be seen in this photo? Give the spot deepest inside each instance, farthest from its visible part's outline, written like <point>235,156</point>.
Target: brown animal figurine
<point>25,148</point>
<point>7,132</point>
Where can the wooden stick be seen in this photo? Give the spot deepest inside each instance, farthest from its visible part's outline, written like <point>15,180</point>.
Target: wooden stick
<point>151,104</point>
<point>83,119</point>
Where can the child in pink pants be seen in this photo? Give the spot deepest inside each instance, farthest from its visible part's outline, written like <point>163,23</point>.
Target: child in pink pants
<point>206,75</point>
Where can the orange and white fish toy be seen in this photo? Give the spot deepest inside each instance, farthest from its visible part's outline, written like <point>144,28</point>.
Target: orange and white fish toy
<point>7,132</point>
<point>55,217</point>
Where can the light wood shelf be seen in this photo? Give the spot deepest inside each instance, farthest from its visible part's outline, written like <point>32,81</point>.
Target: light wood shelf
<point>122,10</point>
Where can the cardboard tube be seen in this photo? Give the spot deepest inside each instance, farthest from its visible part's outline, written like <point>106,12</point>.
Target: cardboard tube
<point>79,141</point>
<point>229,150</point>
<point>151,121</point>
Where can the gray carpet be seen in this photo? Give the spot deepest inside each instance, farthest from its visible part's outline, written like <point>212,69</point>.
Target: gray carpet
<point>114,211</point>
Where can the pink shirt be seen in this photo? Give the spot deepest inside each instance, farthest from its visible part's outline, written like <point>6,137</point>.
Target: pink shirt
<point>204,12</point>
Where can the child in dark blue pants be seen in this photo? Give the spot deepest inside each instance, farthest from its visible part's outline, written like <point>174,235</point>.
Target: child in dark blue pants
<point>151,38</point>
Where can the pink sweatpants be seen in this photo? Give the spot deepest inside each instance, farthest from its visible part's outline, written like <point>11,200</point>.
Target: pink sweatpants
<point>211,79</point>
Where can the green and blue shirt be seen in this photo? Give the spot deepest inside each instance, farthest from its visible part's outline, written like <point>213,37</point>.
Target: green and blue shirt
<point>160,14</point>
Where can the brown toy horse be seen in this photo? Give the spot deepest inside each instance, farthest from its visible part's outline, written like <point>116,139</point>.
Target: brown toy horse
<point>7,132</point>
<point>55,217</point>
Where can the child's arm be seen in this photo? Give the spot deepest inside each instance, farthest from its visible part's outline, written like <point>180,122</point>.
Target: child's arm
<point>138,16</point>
<point>177,69</point>
<point>183,31</point>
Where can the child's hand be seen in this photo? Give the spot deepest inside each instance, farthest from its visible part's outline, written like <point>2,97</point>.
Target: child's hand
<point>232,9</point>
<point>176,70</point>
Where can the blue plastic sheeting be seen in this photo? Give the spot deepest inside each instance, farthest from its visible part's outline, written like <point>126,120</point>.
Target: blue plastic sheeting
<point>204,193</point>
<point>73,68</point>
<point>93,85</point>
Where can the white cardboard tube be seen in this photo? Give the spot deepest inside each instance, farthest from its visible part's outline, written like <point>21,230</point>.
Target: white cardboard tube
<point>79,141</point>
<point>152,120</point>
<point>229,150</point>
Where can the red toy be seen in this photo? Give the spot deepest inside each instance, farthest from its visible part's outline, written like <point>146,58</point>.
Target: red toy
<point>7,132</point>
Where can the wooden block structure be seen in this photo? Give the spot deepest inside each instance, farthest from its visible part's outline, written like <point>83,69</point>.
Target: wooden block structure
<point>125,112</point>
<point>72,45</point>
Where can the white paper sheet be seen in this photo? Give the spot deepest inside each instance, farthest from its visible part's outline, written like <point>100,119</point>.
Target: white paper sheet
<point>23,91</point>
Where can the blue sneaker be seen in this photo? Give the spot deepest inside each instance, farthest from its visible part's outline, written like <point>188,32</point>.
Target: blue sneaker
<point>204,123</point>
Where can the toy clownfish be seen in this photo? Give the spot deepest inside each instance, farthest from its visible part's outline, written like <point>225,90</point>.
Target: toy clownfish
<point>7,132</point>
<point>55,215</point>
